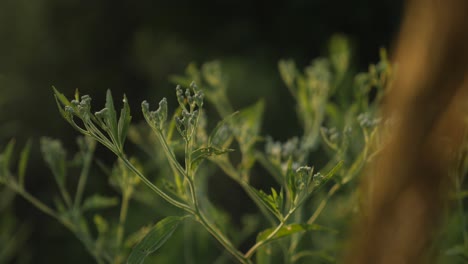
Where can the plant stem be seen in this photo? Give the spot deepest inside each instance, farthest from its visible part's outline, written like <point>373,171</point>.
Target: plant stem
<point>216,233</point>
<point>50,212</point>
<point>260,243</point>
<point>155,188</point>
<point>231,172</point>
<point>122,217</point>
<point>40,205</point>
<point>83,178</point>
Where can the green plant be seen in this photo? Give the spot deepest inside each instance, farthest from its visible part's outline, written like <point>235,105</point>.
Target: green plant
<point>338,111</point>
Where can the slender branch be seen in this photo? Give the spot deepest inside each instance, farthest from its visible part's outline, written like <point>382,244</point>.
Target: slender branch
<point>155,188</point>
<point>260,243</point>
<point>40,205</point>
<point>216,233</point>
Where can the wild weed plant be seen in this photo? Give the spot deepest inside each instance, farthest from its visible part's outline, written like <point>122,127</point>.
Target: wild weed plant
<point>185,154</point>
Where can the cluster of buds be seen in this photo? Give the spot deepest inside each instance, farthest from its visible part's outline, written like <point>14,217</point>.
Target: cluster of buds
<point>299,183</point>
<point>156,119</point>
<point>193,100</point>
<point>191,104</point>
<point>367,121</point>
<point>80,108</point>
<point>281,153</point>
<point>332,134</point>
<point>94,125</point>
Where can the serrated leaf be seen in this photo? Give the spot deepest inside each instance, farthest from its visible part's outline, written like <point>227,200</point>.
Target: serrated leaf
<point>23,162</point>
<point>124,121</point>
<point>158,235</point>
<point>288,230</point>
<point>269,202</point>
<point>99,202</point>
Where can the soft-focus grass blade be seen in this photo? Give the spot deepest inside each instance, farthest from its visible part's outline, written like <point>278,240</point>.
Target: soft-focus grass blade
<point>23,162</point>
<point>6,158</point>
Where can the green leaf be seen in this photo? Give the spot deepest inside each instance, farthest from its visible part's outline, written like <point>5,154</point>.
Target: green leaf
<point>202,153</point>
<point>160,233</point>
<point>273,202</point>
<point>102,225</point>
<point>180,80</point>
<point>6,158</point>
<point>54,155</point>
<point>288,230</point>
<point>62,101</point>
<point>458,250</point>
<point>212,74</point>
<point>246,125</point>
<point>264,254</point>
<point>23,162</point>
<point>333,171</point>
<point>340,53</point>
<point>61,97</point>
<point>99,202</point>
<point>111,114</point>
<point>288,72</point>
<point>221,136</point>
<point>136,237</point>
<point>124,121</point>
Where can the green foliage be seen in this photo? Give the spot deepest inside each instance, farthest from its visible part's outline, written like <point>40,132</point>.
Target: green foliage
<point>339,115</point>
<point>155,238</point>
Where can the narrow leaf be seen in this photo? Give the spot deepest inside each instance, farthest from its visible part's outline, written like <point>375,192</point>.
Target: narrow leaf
<point>111,115</point>
<point>61,97</point>
<point>23,162</point>
<point>160,233</point>
<point>334,170</point>
<point>7,157</point>
<point>99,202</point>
<point>124,121</point>
<point>54,155</point>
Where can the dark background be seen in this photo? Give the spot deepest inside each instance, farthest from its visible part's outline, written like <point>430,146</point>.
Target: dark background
<point>133,47</point>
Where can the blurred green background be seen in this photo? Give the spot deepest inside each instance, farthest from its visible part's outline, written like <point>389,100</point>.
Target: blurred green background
<point>133,47</point>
